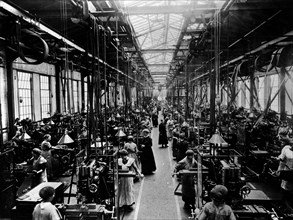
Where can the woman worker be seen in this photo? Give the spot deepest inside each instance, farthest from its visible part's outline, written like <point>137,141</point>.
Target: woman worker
<point>132,150</point>
<point>39,164</point>
<point>148,164</point>
<point>187,181</point>
<point>125,184</point>
<point>46,153</point>
<point>286,163</point>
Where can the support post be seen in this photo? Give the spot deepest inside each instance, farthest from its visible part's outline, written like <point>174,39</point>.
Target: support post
<point>282,95</point>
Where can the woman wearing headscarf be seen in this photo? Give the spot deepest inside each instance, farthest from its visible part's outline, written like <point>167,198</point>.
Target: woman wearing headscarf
<point>148,164</point>
<point>187,181</point>
<point>39,164</point>
<point>217,209</point>
<point>47,154</point>
<point>125,184</point>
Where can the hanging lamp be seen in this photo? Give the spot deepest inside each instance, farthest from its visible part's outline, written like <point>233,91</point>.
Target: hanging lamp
<point>217,139</point>
<point>65,139</point>
<point>120,133</point>
<point>24,136</point>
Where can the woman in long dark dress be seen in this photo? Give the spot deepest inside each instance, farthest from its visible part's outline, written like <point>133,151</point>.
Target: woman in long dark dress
<point>155,119</point>
<point>163,140</point>
<point>148,164</point>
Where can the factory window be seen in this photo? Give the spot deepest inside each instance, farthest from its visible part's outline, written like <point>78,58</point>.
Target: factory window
<point>261,92</point>
<point>25,95</point>
<point>65,95</point>
<point>289,95</point>
<point>75,95</point>
<point>45,96</point>
<point>275,89</point>
<point>3,103</point>
<point>86,96</point>
<point>247,93</point>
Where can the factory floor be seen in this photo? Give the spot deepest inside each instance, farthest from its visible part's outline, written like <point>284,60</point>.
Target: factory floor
<point>154,194</point>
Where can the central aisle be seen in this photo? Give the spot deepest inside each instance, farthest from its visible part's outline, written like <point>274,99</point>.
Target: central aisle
<point>154,194</point>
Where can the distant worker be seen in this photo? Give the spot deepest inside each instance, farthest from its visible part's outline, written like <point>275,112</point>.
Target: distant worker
<point>163,140</point>
<point>47,154</point>
<point>131,147</point>
<point>217,209</point>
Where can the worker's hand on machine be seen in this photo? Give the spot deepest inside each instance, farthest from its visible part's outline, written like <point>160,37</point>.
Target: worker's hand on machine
<point>275,173</point>
<point>174,174</point>
<point>275,158</point>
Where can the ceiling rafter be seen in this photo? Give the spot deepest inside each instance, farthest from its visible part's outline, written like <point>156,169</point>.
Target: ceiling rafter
<point>166,9</point>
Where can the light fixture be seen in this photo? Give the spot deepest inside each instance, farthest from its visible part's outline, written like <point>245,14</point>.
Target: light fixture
<point>252,115</point>
<point>217,139</point>
<point>120,133</point>
<point>65,139</point>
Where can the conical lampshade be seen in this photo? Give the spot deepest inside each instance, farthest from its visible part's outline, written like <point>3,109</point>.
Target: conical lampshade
<point>65,139</point>
<point>251,115</point>
<point>24,136</point>
<point>118,115</point>
<point>217,139</point>
<point>120,133</point>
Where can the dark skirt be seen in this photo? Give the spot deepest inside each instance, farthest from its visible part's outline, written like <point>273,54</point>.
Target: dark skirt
<point>163,138</point>
<point>148,164</point>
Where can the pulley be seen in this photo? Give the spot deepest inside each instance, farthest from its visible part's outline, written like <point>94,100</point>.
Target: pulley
<point>93,188</point>
<point>32,46</point>
<point>283,57</point>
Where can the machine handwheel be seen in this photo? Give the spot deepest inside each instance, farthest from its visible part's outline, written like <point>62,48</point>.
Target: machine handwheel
<point>244,191</point>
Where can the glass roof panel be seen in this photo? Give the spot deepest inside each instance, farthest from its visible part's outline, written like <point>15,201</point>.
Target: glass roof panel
<point>158,25</point>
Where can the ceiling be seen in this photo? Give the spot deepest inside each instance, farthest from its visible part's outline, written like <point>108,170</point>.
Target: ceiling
<point>156,37</point>
<point>163,29</point>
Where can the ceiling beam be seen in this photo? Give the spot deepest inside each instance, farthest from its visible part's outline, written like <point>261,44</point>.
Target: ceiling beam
<point>159,73</point>
<point>170,50</point>
<point>178,9</point>
<point>218,1</point>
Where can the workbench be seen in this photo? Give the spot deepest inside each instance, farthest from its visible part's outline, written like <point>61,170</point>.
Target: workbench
<point>25,204</point>
<point>250,212</point>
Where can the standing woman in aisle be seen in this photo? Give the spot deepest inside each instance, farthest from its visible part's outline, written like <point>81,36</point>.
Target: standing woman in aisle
<point>47,154</point>
<point>148,164</point>
<point>163,140</point>
<point>125,184</point>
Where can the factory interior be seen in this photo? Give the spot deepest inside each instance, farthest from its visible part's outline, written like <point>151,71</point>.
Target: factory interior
<point>104,101</point>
